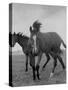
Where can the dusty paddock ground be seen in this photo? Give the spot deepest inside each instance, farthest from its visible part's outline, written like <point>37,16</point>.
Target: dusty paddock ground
<point>22,78</point>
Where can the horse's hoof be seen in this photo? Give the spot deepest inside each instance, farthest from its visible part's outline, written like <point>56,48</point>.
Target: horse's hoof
<point>51,74</point>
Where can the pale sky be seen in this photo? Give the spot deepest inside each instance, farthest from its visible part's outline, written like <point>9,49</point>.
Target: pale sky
<point>53,19</point>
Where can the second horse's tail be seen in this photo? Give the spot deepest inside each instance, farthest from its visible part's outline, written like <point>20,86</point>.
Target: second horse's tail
<point>63,44</point>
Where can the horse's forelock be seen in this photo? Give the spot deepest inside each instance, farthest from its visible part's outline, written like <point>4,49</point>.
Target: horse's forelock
<point>37,25</point>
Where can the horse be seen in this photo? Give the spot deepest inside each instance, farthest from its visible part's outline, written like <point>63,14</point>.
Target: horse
<point>22,41</point>
<point>48,43</point>
<point>25,43</point>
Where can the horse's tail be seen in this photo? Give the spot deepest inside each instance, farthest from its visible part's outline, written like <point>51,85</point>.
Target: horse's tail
<point>63,44</point>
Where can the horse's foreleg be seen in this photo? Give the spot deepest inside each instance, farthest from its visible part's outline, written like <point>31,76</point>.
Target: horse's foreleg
<point>37,66</point>
<point>32,64</point>
<point>26,63</point>
<point>48,59</point>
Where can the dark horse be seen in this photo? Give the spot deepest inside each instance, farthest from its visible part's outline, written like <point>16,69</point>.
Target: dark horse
<point>22,41</point>
<point>48,43</point>
<point>25,43</point>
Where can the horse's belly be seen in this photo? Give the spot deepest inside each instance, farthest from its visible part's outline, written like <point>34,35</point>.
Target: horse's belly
<point>45,48</point>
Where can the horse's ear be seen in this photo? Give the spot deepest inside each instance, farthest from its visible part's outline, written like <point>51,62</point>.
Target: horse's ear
<point>30,29</point>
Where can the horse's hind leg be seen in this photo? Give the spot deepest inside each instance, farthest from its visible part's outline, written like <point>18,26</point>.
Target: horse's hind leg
<point>55,63</point>
<point>26,63</point>
<point>48,59</point>
<point>61,61</point>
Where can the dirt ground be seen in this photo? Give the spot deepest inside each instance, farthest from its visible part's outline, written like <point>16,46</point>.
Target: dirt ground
<point>22,78</point>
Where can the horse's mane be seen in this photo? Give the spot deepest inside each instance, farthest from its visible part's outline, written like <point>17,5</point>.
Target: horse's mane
<point>37,25</point>
<point>23,36</point>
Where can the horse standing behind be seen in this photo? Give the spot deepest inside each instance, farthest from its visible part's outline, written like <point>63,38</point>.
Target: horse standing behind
<point>48,43</point>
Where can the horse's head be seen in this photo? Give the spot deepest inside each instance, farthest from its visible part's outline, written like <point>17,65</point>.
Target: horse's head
<point>14,39</point>
<point>33,36</point>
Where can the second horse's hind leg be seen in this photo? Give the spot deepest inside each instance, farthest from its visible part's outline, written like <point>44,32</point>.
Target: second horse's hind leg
<point>61,61</point>
<point>48,59</point>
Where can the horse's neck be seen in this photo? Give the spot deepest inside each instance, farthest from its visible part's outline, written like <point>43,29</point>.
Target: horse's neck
<point>22,42</point>
<point>39,34</point>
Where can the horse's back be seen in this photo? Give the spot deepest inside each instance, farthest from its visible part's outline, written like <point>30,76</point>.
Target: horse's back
<point>48,40</point>
<point>49,36</point>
